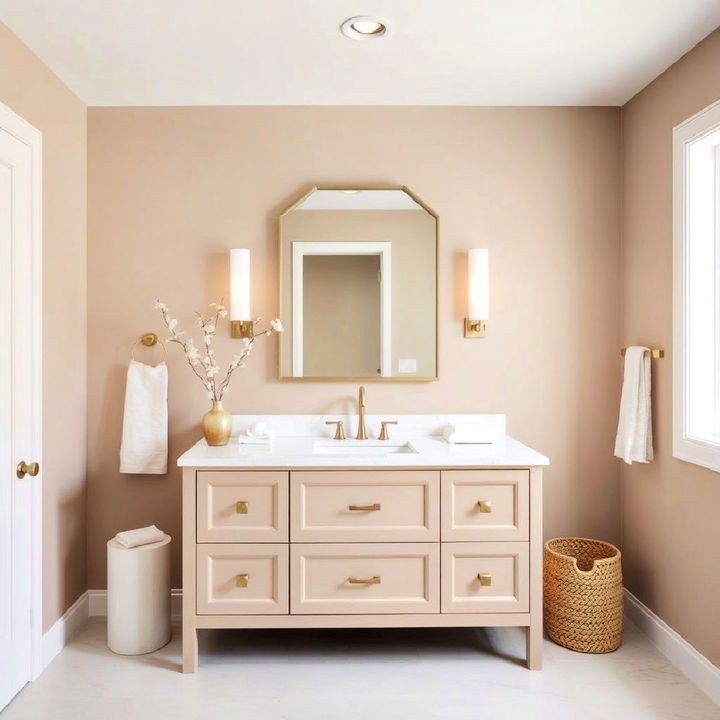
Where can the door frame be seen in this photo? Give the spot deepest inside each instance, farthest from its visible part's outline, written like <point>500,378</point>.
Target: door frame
<point>23,131</point>
<point>381,249</point>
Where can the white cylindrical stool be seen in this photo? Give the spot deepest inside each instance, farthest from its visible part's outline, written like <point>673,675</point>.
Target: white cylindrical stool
<point>138,597</point>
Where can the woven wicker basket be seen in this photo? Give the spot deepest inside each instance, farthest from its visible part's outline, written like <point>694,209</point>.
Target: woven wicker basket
<point>583,594</point>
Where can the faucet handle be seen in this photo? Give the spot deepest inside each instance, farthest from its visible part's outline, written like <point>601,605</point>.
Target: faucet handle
<point>383,429</point>
<point>339,431</point>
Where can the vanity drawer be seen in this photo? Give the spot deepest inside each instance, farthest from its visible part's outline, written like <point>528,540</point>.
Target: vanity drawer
<point>485,504</point>
<point>242,506</point>
<point>329,579</point>
<point>488,577</point>
<point>357,506</point>
<point>242,579</point>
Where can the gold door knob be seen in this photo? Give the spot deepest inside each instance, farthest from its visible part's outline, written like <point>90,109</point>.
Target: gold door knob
<point>485,579</point>
<point>22,469</point>
<point>374,580</point>
<point>484,506</point>
<point>241,580</point>
<point>242,507</point>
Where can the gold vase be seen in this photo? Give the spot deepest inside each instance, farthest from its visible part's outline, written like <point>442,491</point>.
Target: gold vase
<point>217,424</point>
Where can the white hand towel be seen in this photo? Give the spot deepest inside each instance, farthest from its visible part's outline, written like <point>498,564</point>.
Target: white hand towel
<point>469,433</point>
<point>141,536</point>
<point>634,434</point>
<point>145,422</point>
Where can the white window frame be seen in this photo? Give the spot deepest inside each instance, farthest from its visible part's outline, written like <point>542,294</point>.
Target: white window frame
<point>700,450</point>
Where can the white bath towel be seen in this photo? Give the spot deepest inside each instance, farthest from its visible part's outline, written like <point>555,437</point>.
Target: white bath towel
<point>141,536</point>
<point>145,422</point>
<point>634,434</point>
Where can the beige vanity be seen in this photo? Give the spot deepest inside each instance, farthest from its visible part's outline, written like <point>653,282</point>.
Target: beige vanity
<point>308,534</point>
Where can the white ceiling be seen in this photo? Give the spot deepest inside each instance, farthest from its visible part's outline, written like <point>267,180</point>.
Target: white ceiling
<point>360,200</point>
<point>290,52</point>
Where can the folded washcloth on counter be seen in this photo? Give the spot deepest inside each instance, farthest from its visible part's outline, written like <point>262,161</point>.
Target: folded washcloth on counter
<point>257,434</point>
<point>141,536</point>
<point>467,434</point>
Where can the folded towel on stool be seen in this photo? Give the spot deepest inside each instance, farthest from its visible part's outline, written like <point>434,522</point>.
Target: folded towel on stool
<point>141,536</point>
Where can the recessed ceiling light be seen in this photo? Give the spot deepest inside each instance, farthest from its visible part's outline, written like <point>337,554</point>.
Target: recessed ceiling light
<point>364,28</point>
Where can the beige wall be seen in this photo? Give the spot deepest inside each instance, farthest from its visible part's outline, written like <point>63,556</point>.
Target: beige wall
<point>32,91</point>
<point>413,234</point>
<point>670,529</point>
<point>172,189</point>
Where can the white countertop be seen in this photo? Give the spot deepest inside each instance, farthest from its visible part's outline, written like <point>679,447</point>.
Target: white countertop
<point>297,452</point>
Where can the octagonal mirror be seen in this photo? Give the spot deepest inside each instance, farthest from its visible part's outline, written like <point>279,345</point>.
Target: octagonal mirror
<point>358,286</point>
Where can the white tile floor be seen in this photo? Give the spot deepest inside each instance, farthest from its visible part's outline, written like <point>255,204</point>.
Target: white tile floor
<point>368,674</point>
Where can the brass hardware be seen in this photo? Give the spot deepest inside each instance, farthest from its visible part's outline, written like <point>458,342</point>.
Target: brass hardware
<point>148,340</point>
<point>339,430</point>
<point>241,507</point>
<point>485,579</point>
<point>241,328</point>
<point>365,508</point>
<point>475,328</point>
<point>654,353</point>
<point>485,506</point>
<point>361,432</point>
<point>383,429</point>
<point>22,469</point>
<point>374,580</point>
<point>241,580</point>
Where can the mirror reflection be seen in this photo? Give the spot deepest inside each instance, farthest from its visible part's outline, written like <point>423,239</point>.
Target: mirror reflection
<point>358,285</point>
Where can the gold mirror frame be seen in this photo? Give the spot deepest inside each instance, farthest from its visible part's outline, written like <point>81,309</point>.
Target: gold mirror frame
<point>375,378</point>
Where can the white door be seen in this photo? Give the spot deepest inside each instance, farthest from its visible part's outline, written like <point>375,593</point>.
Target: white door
<point>19,402</point>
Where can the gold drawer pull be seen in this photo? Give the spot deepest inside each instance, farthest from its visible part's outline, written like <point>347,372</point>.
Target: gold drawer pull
<point>242,507</point>
<point>242,580</point>
<point>365,508</point>
<point>374,580</point>
<point>484,506</point>
<point>485,579</point>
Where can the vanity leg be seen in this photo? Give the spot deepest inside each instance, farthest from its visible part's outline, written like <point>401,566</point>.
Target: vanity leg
<point>533,646</point>
<point>534,636</point>
<point>189,649</point>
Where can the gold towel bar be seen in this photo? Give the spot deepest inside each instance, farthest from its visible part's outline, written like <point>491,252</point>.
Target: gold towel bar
<point>654,352</point>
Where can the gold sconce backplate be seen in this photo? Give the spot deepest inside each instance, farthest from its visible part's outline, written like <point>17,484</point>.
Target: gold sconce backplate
<point>475,328</point>
<point>241,328</point>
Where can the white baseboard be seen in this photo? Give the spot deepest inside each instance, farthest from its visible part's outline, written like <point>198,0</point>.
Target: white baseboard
<point>97,602</point>
<point>55,639</point>
<point>693,664</point>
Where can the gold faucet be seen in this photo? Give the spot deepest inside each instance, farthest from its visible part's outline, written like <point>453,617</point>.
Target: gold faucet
<point>361,433</point>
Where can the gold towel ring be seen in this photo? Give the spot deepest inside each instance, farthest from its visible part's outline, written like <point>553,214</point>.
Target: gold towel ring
<point>148,340</point>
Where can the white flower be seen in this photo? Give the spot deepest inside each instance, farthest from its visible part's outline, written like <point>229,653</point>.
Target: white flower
<point>160,306</point>
<point>192,352</point>
<point>211,372</point>
<point>209,329</point>
<point>276,325</point>
<point>268,332</point>
<point>243,365</point>
<point>246,343</point>
<point>223,313</point>
<point>210,395</point>
<point>211,352</point>
<point>171,323</point>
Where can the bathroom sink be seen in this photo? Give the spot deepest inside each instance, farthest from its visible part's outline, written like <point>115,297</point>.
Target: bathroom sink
<point>360,447</point>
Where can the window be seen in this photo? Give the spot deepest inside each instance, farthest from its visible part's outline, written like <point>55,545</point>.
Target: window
<point>696,292</point>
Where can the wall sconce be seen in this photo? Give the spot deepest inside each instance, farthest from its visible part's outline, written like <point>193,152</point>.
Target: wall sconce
<point>241,324</point>
<point>478,294</point>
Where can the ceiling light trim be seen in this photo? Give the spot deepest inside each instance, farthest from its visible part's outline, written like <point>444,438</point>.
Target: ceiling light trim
<point>349,28</point>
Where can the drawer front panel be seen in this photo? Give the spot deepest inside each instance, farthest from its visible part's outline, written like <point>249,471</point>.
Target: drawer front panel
<point>242,507</point>
<point>242,579</point>
<point>357,506</point>
<point>488,577</point>
<point>359,578</point>
<point>485,505</point>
